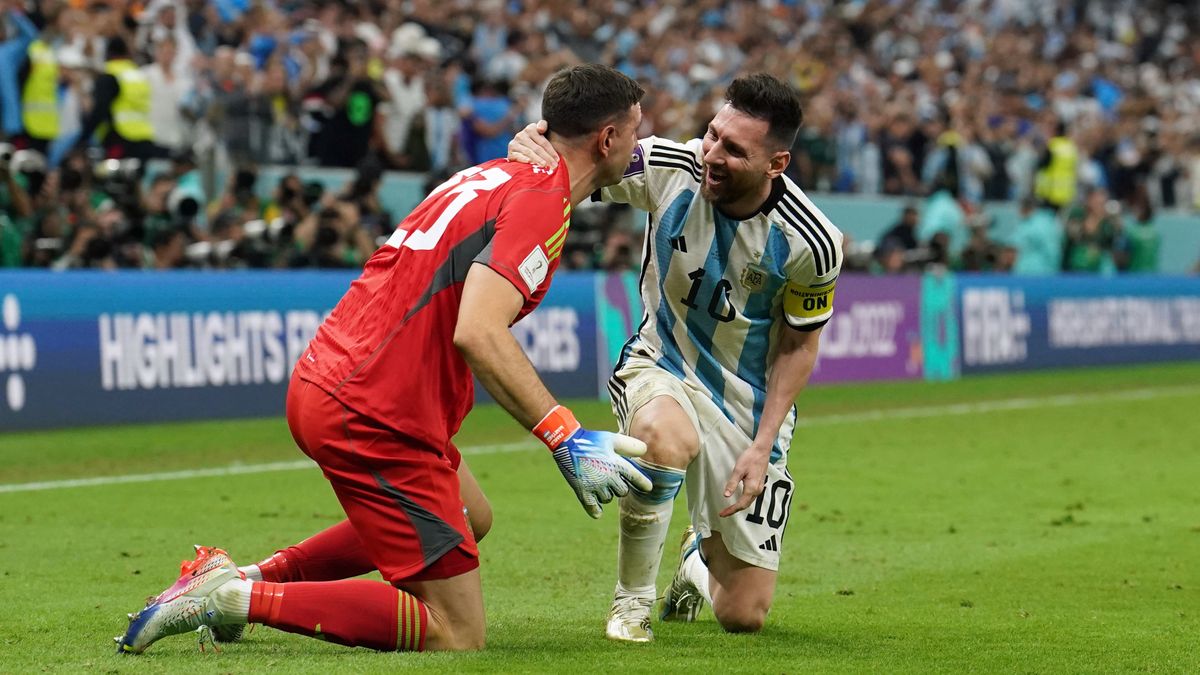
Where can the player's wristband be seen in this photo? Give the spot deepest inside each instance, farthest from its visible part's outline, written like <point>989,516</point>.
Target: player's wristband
<point>556,426</point>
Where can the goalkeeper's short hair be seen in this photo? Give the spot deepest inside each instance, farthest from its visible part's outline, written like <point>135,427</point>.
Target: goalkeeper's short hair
<point>584,98</point>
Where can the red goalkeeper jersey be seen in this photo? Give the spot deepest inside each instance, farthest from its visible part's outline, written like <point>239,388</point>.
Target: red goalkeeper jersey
<point>386,350</point>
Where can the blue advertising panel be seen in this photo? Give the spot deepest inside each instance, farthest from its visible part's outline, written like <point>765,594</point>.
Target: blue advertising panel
<point>102,348</point>
<point>560,337</point>
<point>83,348</point>
<point>1018,323</point>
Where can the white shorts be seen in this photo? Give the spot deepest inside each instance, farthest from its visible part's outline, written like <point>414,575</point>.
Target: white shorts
<point>754,535</point>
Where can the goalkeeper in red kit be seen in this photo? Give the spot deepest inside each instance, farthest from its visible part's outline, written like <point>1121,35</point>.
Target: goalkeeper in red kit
<point>386,382</point>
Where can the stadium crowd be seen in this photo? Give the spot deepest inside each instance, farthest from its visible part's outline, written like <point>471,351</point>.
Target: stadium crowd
<point>133,129</point>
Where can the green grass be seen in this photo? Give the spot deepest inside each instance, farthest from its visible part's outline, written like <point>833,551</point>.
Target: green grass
<point>1049,539</point>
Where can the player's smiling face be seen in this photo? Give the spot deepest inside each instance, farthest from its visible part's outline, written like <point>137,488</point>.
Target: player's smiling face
<point>737,158</point>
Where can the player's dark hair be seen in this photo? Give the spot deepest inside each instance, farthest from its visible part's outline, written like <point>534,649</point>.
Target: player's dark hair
<point>770,99</point>
<point>581,99</point>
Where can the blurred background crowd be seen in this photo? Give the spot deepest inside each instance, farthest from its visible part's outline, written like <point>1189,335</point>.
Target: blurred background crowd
<point>134,132</point>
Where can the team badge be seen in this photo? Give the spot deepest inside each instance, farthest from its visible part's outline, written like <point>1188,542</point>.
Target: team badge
<point>754,277</point>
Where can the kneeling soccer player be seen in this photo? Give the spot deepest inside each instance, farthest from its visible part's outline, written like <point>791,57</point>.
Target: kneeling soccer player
<point>385,384</point>
<point>738,277</point>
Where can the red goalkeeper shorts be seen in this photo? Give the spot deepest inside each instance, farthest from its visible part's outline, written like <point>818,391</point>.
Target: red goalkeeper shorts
<point>401,496</point>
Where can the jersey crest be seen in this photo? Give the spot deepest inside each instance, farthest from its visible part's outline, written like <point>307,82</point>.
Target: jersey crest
<point>754,277</point>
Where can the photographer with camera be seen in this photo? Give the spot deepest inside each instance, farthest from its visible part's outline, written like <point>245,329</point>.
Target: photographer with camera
<point>240,197</point>
<point>331,237</point>
<point>155,203</point>
<point>22,178</point>
<point>15,210</point>
<point>288,201</point>
<point>363,193</point>
<point>103,242</point>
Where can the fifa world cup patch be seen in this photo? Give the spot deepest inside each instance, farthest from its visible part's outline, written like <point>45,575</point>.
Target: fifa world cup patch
<point>754,277</point>
<point>534,268</point>
<point>808,303</point>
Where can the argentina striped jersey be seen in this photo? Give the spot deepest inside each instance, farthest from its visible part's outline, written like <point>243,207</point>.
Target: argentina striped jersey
<point>718,291</point>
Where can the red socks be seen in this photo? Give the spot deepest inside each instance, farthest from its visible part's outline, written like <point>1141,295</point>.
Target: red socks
<point>351,612</point>
<point>335,553</point>
<point>309,589</point>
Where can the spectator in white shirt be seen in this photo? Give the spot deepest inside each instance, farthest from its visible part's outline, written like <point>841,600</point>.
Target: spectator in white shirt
<point>167,90</point>
<point>406,86</point>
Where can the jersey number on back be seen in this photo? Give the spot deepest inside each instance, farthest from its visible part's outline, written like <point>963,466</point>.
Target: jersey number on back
<point>465,185</point>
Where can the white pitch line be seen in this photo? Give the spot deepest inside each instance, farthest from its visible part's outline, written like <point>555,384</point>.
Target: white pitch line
<point>955,409</point>
<point>231,470</point>
<point>1000,405</point>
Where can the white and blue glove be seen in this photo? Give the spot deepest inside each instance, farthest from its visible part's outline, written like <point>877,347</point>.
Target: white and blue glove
<point>593,462</point>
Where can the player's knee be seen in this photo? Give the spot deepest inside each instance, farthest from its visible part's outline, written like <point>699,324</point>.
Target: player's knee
<point>481,521</point>
<point>741,612</point>
<point>465,642</point>
<point>741,618</point>
<point>469,636</point>
<point>665,444</point>
<point>458,637</point>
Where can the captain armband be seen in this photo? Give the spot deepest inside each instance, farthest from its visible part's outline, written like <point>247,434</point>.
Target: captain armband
<point>808,307</point>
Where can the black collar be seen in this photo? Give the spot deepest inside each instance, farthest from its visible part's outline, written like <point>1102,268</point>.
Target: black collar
<point>778,187</point>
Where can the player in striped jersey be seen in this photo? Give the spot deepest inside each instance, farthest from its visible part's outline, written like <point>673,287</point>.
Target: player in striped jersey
<point>738,274</point>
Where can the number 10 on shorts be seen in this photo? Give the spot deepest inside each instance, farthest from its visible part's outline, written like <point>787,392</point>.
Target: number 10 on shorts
<point>772,505</point>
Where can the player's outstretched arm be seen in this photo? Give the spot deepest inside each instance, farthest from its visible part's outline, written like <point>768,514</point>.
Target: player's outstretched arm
<point>793,365</point>
<point>530,146</point>
<point>591,461</point>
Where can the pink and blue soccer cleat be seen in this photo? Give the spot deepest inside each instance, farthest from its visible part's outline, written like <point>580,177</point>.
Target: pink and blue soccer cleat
<point>186,606</point>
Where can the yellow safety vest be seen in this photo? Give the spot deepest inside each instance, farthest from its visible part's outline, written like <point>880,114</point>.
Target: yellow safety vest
<point>39,99</point>
<point>1056,181</point>
<point>131,109</point>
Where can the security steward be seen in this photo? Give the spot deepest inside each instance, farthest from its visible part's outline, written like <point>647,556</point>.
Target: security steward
<point>39,97</point>
<point>1055,181</point>
<point>120,115</point>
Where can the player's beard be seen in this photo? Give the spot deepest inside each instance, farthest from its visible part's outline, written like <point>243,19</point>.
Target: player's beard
<point>731,187</point>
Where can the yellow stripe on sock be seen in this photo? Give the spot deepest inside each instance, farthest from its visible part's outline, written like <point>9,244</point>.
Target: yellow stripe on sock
<point>416,624</point>
<point>412,623</point>
<point>402,621</point>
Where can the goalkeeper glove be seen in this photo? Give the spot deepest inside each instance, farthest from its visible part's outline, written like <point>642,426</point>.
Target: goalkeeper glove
<point>593,462</point>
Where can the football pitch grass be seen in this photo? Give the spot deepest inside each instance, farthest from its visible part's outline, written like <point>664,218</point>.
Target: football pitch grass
<point>1045,522</point>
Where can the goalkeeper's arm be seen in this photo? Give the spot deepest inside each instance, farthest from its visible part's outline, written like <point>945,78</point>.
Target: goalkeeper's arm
<point>587,459</point>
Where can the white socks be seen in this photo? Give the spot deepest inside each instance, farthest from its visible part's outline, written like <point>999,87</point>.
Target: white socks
<point>233,600</point>
<point>643,533</point>
<point>252,572</point>
<point>696,572</point>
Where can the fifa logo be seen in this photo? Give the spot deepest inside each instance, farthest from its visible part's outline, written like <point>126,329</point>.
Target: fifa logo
<point>18,353</point>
